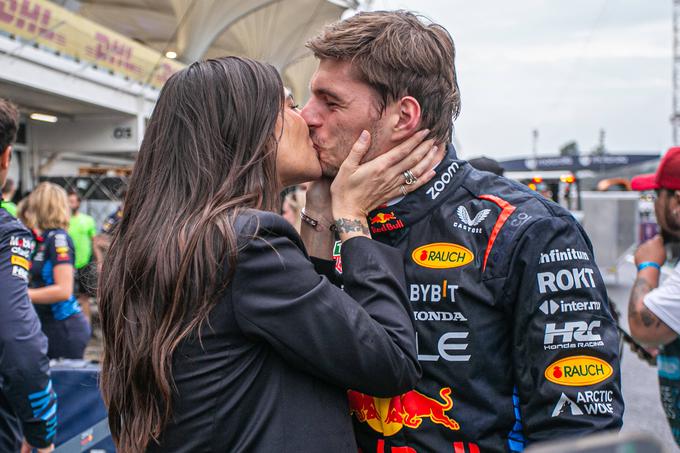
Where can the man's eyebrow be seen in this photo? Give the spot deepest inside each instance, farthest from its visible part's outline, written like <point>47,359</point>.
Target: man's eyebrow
<point>328,93</point>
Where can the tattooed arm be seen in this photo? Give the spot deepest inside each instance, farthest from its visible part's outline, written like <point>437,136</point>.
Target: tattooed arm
<point>645,326</point>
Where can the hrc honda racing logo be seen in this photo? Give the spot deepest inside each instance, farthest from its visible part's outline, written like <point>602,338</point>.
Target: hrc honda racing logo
<point>442,255</point>
<point>388,416</point>
<point>572,335</point>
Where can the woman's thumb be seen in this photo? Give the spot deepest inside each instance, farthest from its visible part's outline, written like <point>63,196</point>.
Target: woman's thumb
<point>359,149</point>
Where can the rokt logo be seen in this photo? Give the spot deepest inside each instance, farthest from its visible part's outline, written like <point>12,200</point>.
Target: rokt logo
<point>565,280</point>
<point>389,415</point>
<point>442,255</point>
<point>578,371</point>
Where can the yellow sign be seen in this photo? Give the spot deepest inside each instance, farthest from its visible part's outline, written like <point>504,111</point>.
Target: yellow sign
<point>19,261</point>
<point>442,255</point>
<point>578,371</point>
<point>60,30</point>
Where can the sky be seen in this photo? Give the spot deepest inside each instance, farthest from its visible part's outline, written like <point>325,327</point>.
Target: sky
<point>565,68</point>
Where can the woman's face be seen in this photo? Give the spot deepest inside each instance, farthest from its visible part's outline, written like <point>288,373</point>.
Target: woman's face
<point>296,159</point>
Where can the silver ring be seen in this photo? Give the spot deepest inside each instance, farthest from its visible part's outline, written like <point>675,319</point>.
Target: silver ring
<point>403,189</point>
<point>409,178</point>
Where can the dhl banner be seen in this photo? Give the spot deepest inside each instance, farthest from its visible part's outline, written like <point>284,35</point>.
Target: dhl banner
<point>60,30</point>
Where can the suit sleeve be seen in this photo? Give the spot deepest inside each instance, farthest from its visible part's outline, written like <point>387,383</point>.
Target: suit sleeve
<point>60,249</point>
<point>366,343</point>
<point>566,352</point>
<point>24,367</point>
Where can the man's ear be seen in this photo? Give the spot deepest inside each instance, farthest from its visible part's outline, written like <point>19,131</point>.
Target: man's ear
<point>5,158</point>
<point>407,115</point>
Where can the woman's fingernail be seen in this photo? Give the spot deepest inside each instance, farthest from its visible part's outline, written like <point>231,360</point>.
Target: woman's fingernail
<point>424,132</point>
<point>363,138</point>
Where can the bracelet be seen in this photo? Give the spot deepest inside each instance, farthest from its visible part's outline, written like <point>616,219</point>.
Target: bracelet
<point>315,223</point>
<point>648,264</point>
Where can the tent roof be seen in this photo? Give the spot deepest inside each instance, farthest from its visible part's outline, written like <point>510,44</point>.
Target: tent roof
<point>270,30</point>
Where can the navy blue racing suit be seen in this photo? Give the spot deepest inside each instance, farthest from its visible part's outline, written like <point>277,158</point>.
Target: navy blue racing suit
<point>28,405</point>
<point>514,332</point>
<point>63,322</point>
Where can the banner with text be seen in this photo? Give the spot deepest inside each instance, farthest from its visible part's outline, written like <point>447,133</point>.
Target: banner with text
<point>60,30</point>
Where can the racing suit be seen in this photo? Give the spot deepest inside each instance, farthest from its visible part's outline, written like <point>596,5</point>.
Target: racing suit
<point>28,405</point>
<point>514,332</point>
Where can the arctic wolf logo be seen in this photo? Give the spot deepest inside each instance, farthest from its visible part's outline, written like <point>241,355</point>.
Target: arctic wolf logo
<point>465,217</point>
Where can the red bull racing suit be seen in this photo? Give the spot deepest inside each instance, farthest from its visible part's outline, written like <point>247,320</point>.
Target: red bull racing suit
<point>28,405</point>
<point>514,332</point>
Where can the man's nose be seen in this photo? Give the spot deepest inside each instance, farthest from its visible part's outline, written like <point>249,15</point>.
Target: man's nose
<point>310,115</point>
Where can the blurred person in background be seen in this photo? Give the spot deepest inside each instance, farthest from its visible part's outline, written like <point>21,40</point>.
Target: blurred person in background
<point>654,306</point>
<point>219,334</point>
<point>102,241</point>
<point>28,418</point>
<point>487,164</point>
<point>82,229</point>
<point>52,274</point>
<point>293,204</point>
<point>8,191</point>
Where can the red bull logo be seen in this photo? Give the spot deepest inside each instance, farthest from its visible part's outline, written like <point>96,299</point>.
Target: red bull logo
<point>389,415</point>
<point>383,217</point>
<point>387,221</point>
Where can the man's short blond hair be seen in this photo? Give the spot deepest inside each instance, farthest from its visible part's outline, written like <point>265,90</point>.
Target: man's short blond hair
<point>48,203</point>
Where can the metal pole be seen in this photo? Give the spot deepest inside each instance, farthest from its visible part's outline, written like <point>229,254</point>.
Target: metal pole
<point>675,118</point>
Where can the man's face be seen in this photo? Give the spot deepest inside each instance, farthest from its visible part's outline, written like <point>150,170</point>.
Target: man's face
<point>73,203</point>
<point>665,206</point>
<point>341,106</point>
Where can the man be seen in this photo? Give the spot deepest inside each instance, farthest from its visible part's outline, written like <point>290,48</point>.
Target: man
<point>82,229</point>
<point>487,164</point>
<point>8,191</point>
<point>654,309</point>
<point>102,241</point>
<point>515,335</point>
<point>28,405</point>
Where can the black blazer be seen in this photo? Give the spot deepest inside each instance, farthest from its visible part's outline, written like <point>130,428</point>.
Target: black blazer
<point>273,364</point>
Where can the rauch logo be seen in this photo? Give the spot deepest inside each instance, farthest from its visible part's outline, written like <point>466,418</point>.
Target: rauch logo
<point>442,255</point>
<point>578,371</point>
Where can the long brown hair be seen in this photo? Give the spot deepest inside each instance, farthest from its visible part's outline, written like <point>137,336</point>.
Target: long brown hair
<point>209,152</point>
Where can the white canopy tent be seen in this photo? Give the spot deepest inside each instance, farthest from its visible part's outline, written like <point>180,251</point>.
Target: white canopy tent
<point>270,30</point>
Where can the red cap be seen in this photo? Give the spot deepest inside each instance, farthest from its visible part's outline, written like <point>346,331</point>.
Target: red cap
<point>667,175</point>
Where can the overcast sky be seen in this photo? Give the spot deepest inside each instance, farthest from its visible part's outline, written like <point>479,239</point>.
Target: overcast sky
<point>566,68</point>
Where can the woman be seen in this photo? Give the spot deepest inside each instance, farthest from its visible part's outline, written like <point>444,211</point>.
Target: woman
<point>218,333</point>
<point>51,283</point>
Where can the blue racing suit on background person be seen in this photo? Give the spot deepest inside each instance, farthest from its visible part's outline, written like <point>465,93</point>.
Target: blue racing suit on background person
<point>63,322</point>
<point>514,330</point>
<point>28,405</point>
